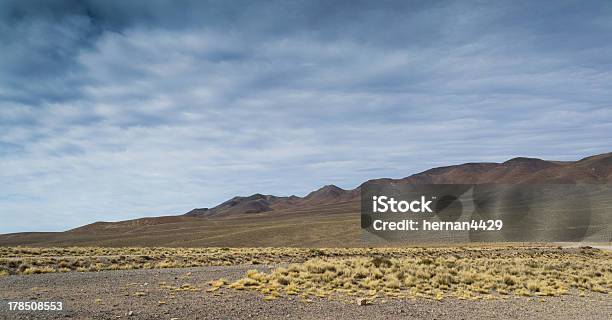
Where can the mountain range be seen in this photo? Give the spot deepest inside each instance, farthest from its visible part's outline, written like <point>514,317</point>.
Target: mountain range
<point>595,169</point>
<point>328,216</point>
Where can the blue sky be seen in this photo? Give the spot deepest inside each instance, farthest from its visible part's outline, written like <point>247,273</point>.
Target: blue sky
<point>112,110</point>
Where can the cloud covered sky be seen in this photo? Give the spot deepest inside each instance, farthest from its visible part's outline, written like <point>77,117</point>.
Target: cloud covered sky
<point>112,110</point>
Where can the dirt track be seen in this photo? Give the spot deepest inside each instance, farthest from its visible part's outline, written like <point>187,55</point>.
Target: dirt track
<point>117,294</point>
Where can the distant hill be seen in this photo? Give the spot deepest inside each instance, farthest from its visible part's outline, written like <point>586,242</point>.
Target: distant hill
<point>258,203</point>
<point>595,169</point>
<point>325,216</point>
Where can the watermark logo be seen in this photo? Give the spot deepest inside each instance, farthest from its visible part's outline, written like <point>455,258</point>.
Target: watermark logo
<point>389,204</point>
<point>431,213</point>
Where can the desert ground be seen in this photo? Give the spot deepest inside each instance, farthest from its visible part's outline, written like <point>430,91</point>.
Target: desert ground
<point>537,282</point>
<point>111,295</point>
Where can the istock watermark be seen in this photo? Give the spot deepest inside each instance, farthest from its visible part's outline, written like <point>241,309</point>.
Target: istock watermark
<point>430,213</point>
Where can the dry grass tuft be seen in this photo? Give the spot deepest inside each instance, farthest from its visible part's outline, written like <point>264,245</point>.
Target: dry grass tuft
<point>485,277</point>
<point>436,273</point>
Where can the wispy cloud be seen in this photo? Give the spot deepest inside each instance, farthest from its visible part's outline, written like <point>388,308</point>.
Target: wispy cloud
<point>115,110</point>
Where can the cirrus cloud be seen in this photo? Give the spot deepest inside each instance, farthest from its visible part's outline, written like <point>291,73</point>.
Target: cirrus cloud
<point>112,110</point>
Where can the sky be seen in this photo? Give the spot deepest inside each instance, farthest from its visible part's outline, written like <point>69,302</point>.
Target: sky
<point>113,110</point>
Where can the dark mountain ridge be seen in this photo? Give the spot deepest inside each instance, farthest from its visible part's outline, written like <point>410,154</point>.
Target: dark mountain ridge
<point>297,221</point>
<point>258,203</point>
<point>594,169</point>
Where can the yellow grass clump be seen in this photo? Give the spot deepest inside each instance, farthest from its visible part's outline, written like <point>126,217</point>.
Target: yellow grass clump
<point>435,278</point>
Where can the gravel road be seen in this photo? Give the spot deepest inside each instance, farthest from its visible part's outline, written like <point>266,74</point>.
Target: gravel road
<point>136,294</point>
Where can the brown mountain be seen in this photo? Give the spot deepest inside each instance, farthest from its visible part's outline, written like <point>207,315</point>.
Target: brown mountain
<point>595,169</point>
<point>258,203</point>
<point>328,216</point>
<point>252,204</point>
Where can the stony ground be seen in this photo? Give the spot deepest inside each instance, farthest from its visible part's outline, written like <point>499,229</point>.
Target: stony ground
<point>181,294</point>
